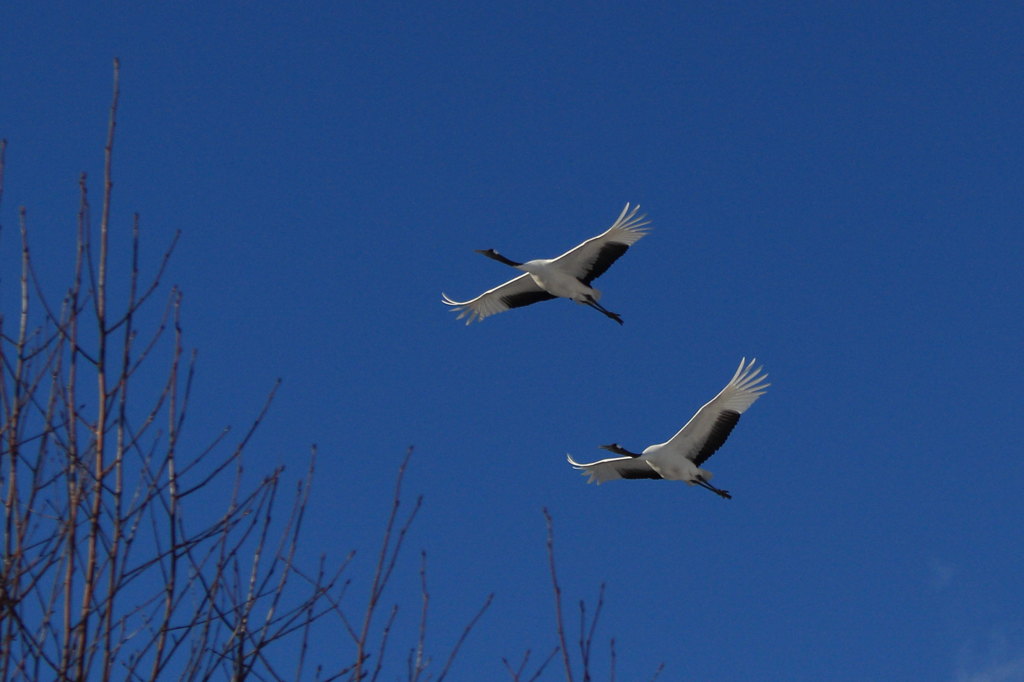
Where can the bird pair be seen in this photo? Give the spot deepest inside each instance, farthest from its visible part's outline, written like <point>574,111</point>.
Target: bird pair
<point>569,276</point>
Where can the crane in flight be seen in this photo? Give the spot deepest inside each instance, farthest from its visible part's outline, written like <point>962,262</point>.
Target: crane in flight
<point>568,276</point>
<point>680,458</point>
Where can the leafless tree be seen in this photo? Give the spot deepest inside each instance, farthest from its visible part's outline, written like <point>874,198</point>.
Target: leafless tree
<point>114,565</point>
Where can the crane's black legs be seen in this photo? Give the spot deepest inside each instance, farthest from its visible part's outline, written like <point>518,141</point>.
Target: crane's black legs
<point>718,491</point>
<point>597,306</point>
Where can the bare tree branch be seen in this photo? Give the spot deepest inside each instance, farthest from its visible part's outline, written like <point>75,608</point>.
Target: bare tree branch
<point>559,624</point>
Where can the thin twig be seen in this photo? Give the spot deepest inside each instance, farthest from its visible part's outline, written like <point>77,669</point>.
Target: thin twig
<point>384,566</point>
<point>611,655</point>
<point>462,638</point>
<point>559,624</point>
<point>418,662</point>
<point>586,640</point>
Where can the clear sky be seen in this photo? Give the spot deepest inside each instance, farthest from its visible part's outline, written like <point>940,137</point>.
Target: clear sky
<point>835,188</point>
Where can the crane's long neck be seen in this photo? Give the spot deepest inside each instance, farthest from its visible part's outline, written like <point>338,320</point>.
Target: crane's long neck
<point>491,253</point>
<point>619,450</point>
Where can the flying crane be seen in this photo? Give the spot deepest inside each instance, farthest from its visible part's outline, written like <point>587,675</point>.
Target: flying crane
<point>680,458</point>
<point>568,276</point>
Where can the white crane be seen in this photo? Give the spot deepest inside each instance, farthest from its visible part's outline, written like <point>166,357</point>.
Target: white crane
<point>679,458</point>
<point>568,276</point>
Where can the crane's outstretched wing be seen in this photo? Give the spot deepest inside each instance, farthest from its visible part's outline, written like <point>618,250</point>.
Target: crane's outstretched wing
<point>707,430</point>
<point>614,468</point>
<point>512,294</point>
<point>592,258</point>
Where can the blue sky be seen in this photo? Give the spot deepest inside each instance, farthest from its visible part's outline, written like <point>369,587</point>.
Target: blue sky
<point>835,188</point>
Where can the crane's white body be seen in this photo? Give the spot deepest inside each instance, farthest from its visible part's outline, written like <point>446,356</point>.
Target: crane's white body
<point>680,457</point>
<point>547,274</point>
<point>568,276</point>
